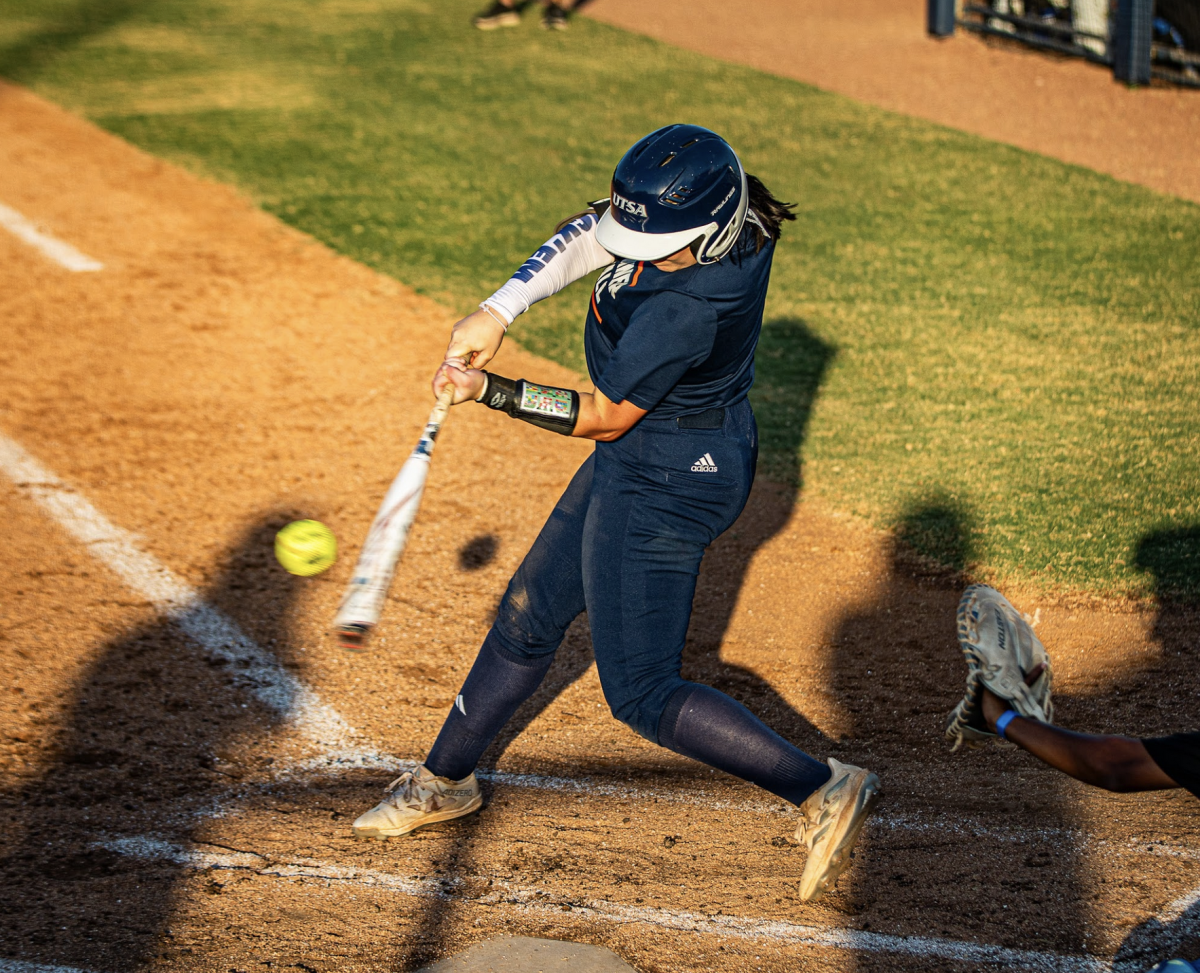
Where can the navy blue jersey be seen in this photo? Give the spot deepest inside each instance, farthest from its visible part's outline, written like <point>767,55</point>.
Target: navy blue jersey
<point>1179,758</point>
<point>683,341</point>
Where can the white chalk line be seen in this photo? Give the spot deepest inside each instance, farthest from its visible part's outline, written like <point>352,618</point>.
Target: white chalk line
<point>262,675</point>
<point>61,253</point>
<point>256,670</point>
<point>532,901</point>
<point>691,796</point>
<point>1157,938</point>
<point>22,966</point>
<point>1177,909</point>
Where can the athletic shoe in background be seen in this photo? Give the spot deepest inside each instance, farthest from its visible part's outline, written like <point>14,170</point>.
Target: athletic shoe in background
<point>554,18</point>
<point>507,13</point>
<point>499,14</point>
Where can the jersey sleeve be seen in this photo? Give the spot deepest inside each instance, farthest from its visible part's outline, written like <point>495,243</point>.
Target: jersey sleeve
<point>1179,758</point>
<point>567,256</point>
<point>667,335</point>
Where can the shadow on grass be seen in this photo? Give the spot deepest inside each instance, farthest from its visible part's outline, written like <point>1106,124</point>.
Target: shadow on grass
<point>932,537</point>
<point>27,57</point>
<point>1172,557</point>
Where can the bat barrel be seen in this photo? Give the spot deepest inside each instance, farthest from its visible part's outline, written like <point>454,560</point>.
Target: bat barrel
<point>363,601</point>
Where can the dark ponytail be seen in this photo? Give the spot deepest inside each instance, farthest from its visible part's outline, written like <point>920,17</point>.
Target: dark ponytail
<point>770,211</point>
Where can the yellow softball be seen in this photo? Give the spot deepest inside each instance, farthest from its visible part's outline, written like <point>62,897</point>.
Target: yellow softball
<point>306,547</point>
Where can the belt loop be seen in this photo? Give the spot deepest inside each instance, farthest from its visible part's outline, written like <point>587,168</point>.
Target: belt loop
<point>708,419</point>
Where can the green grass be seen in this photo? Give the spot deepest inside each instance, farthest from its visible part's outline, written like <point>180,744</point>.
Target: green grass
<point>958,332</point>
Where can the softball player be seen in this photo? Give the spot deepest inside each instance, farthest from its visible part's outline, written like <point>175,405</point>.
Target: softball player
<point>686,239</point>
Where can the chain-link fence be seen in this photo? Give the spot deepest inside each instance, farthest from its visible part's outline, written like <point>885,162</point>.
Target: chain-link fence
<point>1139,39</point>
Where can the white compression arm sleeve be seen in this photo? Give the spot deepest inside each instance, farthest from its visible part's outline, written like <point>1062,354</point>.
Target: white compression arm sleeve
<point>570,254</point>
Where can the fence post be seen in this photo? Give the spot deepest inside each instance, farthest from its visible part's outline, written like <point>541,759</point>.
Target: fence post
<point>1131,41</point>
<point>941,17</point>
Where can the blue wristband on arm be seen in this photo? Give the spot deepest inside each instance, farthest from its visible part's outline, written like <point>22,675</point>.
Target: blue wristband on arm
<point>1002,724</point>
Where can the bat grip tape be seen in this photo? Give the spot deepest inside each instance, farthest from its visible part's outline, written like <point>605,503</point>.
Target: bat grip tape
<point>545,406</point>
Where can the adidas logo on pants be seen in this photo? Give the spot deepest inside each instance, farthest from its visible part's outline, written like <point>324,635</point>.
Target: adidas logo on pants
<point>705,464</point>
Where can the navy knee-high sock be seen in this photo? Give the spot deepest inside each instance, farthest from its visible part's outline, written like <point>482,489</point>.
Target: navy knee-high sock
<point>497,684</point>
<point>706,725</point>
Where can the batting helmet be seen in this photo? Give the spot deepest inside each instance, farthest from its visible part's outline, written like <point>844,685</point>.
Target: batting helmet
<point>677,186</point>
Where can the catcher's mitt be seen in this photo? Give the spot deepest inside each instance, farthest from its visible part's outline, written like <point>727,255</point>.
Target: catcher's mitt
<point>1001,651</point>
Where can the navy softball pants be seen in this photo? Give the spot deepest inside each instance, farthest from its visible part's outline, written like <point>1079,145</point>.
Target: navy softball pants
<point>625,543</point>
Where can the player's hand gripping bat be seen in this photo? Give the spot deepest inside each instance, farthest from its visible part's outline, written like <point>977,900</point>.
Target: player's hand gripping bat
<point>363,601</point>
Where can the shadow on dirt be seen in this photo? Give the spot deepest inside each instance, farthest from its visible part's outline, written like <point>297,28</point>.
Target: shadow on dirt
<point>1172,557</point>
<point>27,57</point>
<point>898,672</point>
<point>153,734</point>
<point>478,552</point>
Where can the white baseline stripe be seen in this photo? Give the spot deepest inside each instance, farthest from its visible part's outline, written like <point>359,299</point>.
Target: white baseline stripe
<point>257,671</point>
<point>693,796</point>
<point>21,966</point>
<point>1160,936</point>
<point>1177,909</point>
<point>61,253</point>
<point>535,901</point>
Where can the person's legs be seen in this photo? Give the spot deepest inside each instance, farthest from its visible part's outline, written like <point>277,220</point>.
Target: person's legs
<point>647,528</point>
<point>703,723</point>
<point>654,510</point>
<point>543,598</point>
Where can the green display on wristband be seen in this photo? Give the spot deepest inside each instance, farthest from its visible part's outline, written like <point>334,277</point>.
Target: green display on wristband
<point>546,400</point>
<point>546,406</point>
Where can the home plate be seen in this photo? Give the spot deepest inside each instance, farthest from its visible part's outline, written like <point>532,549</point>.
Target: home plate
<point>523,954</point>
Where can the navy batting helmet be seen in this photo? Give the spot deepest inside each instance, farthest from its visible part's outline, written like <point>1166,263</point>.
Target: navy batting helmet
<point>674,187</point>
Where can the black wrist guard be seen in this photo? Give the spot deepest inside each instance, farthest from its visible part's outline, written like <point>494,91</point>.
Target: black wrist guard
<point>540,405</point>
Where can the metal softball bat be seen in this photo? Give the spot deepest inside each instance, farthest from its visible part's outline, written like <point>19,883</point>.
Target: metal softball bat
<point>363,601</point>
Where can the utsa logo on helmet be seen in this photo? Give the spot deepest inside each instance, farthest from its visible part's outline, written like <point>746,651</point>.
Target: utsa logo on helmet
<point>628,205</point>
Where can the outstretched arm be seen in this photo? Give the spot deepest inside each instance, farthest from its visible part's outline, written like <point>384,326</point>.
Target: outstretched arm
<point>567,256</point>
<point>1116,763</point>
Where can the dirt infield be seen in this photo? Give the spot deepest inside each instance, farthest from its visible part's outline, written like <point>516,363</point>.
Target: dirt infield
<point>877,51</point>
<point>223,375</point>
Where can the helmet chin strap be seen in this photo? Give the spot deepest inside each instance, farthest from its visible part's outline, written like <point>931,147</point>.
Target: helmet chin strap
<point>679,260</point>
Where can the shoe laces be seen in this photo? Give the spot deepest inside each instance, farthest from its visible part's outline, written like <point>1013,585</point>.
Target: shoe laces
<point>404,791</point>
<point>814,821</point>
